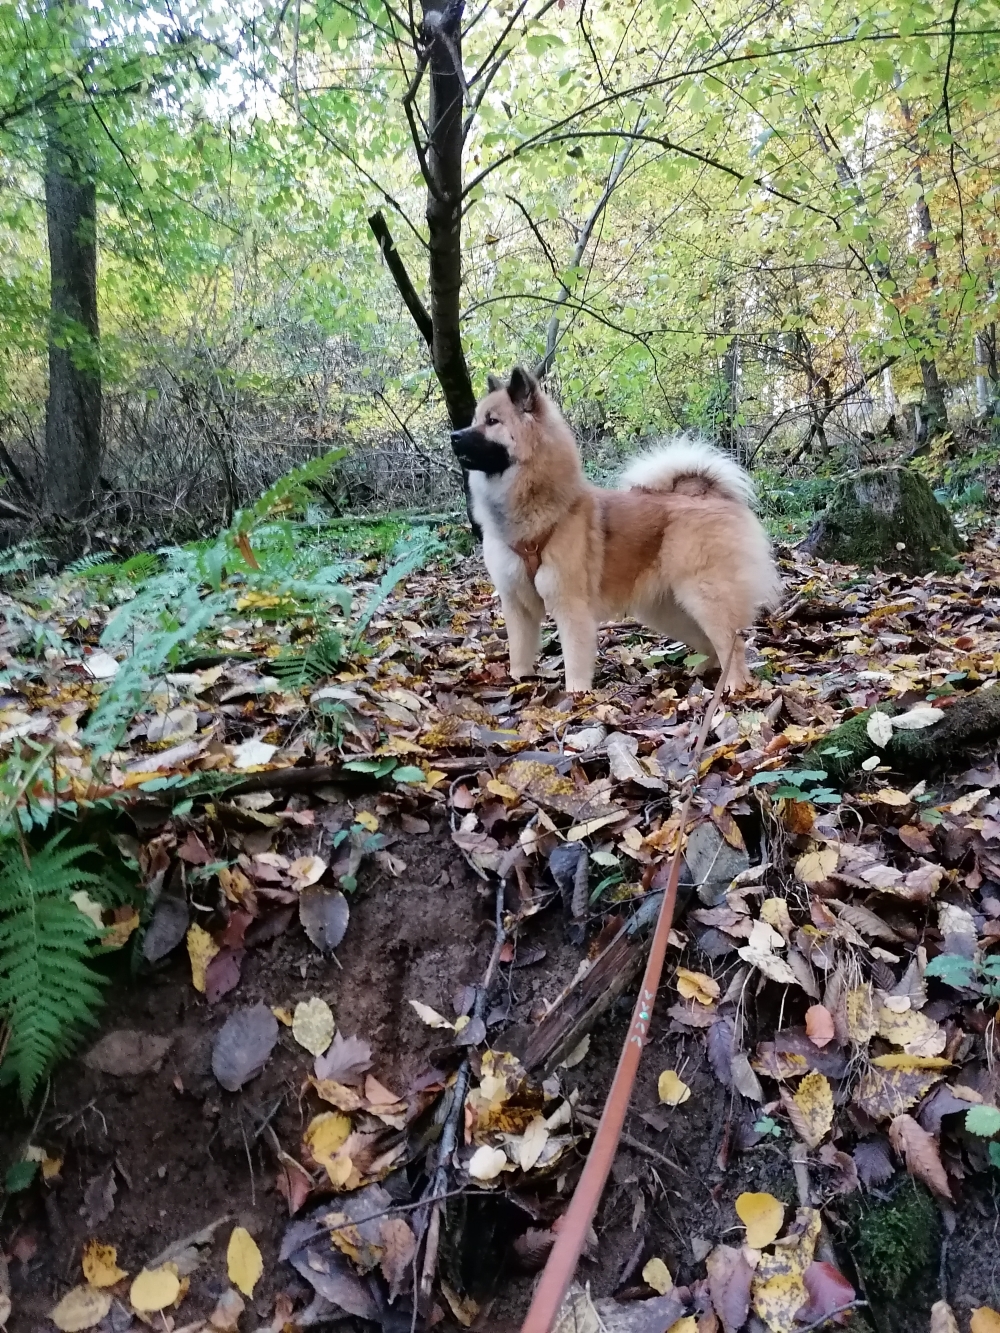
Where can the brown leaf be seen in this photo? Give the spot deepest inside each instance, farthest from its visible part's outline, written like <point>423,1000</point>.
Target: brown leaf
<point>916,838</point>
<point>126,1052</point>
<point>884,1093</point>
<point>828,1290</point>
<point>345,1061</point>
<point>819,1025</point>
<point>920,1151</point>
<point>324,914</point>
<point>398,1245</point>
<point>99,1199</point>
<point>532,1249</point>
<point>243,1045</point>
<point>845,1177</point>
<point>874,1164</point>
<point>942,1318</point>
<point>223,973</point>
<point>729,1278</point>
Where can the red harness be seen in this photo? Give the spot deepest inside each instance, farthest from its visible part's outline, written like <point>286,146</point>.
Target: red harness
<point>531,552</point>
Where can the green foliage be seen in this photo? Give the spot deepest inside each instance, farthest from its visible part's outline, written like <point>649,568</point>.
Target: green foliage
<point>983,1120</point>
<point>981,975</point>
<point>48,988</point>
<point>408,555</point>
<point>297,670</point>
<point>896,1242</point>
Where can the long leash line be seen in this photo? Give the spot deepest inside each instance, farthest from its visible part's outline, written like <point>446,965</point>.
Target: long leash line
<point>565,1254</point>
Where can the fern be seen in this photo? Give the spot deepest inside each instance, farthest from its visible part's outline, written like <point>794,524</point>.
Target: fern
<point>295,671</point>
<point>88,564</point>
<point>48,991</point>
<point>411,554</point>
<point>290,490</point>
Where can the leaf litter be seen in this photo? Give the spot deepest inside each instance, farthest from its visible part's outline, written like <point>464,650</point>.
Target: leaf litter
<point>861,914</point>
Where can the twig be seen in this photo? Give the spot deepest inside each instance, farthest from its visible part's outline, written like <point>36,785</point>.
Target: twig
<point>825,1319</point>
<point>635,1144</point>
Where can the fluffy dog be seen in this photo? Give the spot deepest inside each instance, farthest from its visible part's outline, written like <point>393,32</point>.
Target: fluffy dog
<point>678,546</point>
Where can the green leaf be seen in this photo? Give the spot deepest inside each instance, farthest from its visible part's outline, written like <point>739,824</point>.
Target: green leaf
<point>983,1120</point>
<point>995,1155</point>
<point>952,969</point>
<point>409,773</point>
<point>19,1176</point>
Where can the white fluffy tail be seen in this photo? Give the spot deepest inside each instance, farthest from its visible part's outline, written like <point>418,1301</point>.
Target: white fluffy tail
<point>688,457</point>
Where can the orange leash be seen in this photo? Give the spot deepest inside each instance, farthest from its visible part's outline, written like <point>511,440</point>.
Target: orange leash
<point>565,1253</point>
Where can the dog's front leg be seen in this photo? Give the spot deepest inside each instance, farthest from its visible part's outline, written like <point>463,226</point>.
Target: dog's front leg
<point>578,636</point>
<point>524,632</point>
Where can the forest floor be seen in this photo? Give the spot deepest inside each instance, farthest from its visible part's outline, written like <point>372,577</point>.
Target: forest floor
<point>816,1121</point>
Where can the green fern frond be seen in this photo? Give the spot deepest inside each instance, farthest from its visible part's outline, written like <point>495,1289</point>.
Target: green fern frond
<point>48,991</point>
<point>295,671</point>
<point>87,564</point>
<point>292,488</point>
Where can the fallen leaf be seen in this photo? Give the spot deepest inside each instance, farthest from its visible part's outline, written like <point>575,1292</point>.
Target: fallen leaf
<point>486,1163</point>
<point>890,796</point>
<point>817,866</point>
<point>762,1215</point>
<point>819,1026</point>
<point>243,1045</point>
<point>656,1274</point>
<point>779,1289</point>
<point>920,1152</point>
<point>252,754</point>
<point>984,1320</point>
<point>918,717</point>
<point>345,1061</point>
<point>226,1315</point>
<point>80,1308</point>
<point>313,1025</point>
<point>673,1091</point>
<point>879,728</point>
<point>828,1291</point>
<point>126,1053</point>
<point>884,1093</point>
<point>154,1289</point>
<point>577,1054</point>
<point>913,1031</point>
<point>398,1247</point>
<point>874,1164</point>
<point>325,915</point>
<point>942,1318</point>
<point>166,930</point>
<point>100,1264</point>
<point>306,870</point>
<point>201,950</point>
<point>99,1198</point>
<point>431,1016</point>
<point>730,1274</point>
<point>697,986</point>
<point>810,1109</point>
<point>533,1141</point>
<point>244,1263</point>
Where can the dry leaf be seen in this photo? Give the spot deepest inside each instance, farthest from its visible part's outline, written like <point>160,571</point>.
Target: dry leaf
<point>810,1109</point>
<point>814,867</point>
<point>779,1289</point>
<point>942,1318</point>
<point>125,1053</point>
<point>398,1246</point>
<point>730,1273</point>
<point>763,1216</point>
<point>431,1016</point>
<point>242,1047</point>
<point>879,728</point>
<point>100,1264</point>
<point>325,915</point>
<point>656,1274</point>
<point>154,1289</point>
<point>306,870</point>
<point>918,717</point>
<point>819,1026</point>
<point>533,1140</point>
<point>920,1151</point>
<point>313,1025</point>
<point>860,1010</point>
<point>985,1320</point>
<point>201,950</point>
<point>913,1031</point>
<point>884,1093</point>
<point>890,796</point>
<point>80,1308</point>
<point>226,1315</point>
<point>244,1263</point>
<point>697,986</point>
<point>673,1091</point>
<point>325,1135</point>
<point>486,1163</point>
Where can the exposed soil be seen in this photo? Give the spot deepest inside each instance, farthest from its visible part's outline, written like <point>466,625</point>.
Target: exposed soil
<point>183,1153</point>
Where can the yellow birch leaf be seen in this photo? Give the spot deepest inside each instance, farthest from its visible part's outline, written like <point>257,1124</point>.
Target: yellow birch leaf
<point>201,950</point>
<point>762,1215</point>
<point>890,796</point>
<point>914,1031</point>
<point>656,1274</point>
<point>672,1089</point>
<point>814,867</point>
<point>117,935</point>
<point>501,789</point>
<point>81,1308</point>
<point>154,1289</point>
<point>697,986</point>
<point>861,1024</point>
<point>243,1261</point>
<point>911,1062</point>
<point>100,1264</point>
<point>777,1289</point>
<point>813,1099</point>
<point>775,912</point>
<point>325,1134</point>
<point>367,820</point>
<point>985,1320</point>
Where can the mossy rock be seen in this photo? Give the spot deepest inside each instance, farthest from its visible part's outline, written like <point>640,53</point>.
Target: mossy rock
<point>886,517</point>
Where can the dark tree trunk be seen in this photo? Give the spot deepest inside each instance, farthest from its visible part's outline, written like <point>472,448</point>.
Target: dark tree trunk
<point>73,411</point>
<point>442,30</point>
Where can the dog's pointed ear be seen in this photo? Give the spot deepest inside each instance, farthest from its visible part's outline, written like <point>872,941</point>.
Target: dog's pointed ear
<point>523,389</point>
<point>493,382</point>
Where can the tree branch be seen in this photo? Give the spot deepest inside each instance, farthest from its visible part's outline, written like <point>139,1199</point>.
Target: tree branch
<point>397,268</point>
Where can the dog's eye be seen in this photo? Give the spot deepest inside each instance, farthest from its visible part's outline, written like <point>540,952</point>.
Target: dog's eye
<point>492,421</point>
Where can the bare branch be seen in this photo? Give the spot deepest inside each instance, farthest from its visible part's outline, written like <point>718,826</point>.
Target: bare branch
<point>395,265</point>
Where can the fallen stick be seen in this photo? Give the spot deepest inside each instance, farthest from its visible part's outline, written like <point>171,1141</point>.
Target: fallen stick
<point>635,1144</point>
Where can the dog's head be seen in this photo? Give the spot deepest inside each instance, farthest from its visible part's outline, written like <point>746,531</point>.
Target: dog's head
<point>498,438</point>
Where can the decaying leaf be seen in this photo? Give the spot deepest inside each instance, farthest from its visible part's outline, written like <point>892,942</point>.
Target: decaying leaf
<point>431,1016</point>
<point>828,1290</point>
<point>100,1264</point>
<point>912,1030</point>
<point>672,1090</point>
<point>656,1274</point>
<point>244,1262</point>
<point>779,1289</point>
<point>763,1216</point>
<point>325,915</point>
<point>943,1318</point>
<point>697,986</point>
<point>201,950</point>
<point>533,1141</point>
<point>313,1025</point>
<point>398,1246</point>
<point>879,728</point>
<point>884,1093</point>
<point>810,1109</point>
<point>243,1045</point>
<point>860,1010</point>
<point>817,866</point>
<point>730,1273</point>
<point>226,1315</point>
<point>345,1061</point>
<point>126,1053</point>
<point>306,870</point>
<point>984,1320</point>
<point>920,1152</point>
<point>81,1307</point>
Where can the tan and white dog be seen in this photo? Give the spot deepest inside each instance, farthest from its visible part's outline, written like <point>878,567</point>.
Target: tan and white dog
<point>678,546</point>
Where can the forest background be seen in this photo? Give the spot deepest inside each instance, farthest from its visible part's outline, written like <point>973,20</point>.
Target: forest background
<point>274,229</point>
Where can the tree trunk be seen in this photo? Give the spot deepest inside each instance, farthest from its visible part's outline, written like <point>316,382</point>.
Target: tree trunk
<point>985,380</point>
<point>73,411</point>
<point>443,33</point>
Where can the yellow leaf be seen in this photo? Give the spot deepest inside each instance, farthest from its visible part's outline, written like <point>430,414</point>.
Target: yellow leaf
<point>778,1289</point>
<point>501,789</point>
<point>367,820</point>
<point>814,867</point>
<point>885,1093</point>
<point>813,1099</point>
<point>914,1031</point>
<point>672,1089</point>
<point>890,796</point>
<point>686,1324</point>
<point>100,1264</point>
<point>431,1016</point>
<point>117,935</point>
<point>762,1215</point>
<point>861,1025</point>
<point>81,1308</point>
<point>282,1015</point>
<point>775,912</point>
<point>313,1025</point>
<point>201,950</point>
<point>154,1289</point>
<point>243,1261</point>
<point>911,1062</point>
<point>697,986</point>
<point>656,1274</point>
<point>985,1320</point>
<point>324,1134</point>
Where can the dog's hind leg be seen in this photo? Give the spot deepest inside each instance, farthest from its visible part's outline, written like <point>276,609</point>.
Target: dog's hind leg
<point>578,636</point>
<point>721,624</point>
<point>524,631</point>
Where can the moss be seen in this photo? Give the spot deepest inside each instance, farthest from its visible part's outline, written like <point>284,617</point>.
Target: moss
<point>886,517</point>
<point>895,1244</point>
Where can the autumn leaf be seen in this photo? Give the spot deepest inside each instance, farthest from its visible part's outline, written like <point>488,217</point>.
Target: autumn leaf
<point>656,1274</point>
<point>697,986</point>
<point>201,950</point>
<point>817,866</point>
<point>879,728</point>
<point>313,1025</point>
<point>100,1264</point>
<point>920,1152</point>
<point>154,1289</point>
<point>778,1288</point>
<point>244,1263</point>
<point>673,1091</point>
<point>984,1320</point>
<point>819,1026</point>
<point>762,1215</point>
<point>943,1319</point>
<point>81,1308</point>
<point>430,1016</point>
<point>810,1109</point>
<point>486,1163</point>
<point>730,1273</point>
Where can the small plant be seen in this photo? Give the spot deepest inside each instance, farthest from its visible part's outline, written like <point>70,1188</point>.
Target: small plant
<point>896,1242</point>
<point>982,975</point>
<point>799,785</point>
<point>767,1127</point>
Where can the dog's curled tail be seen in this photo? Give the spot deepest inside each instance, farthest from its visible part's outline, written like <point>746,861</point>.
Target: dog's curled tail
<point>690,466</point>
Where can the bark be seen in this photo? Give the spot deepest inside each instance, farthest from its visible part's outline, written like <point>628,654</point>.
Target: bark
<point>442,31</point>
<point>985,355</point>
<point>73,412</point>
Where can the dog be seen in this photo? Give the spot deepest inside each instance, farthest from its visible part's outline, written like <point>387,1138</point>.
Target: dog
<point>677,546</point>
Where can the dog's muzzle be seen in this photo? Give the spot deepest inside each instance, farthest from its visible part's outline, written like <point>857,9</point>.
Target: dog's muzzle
<point>478,454</point>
